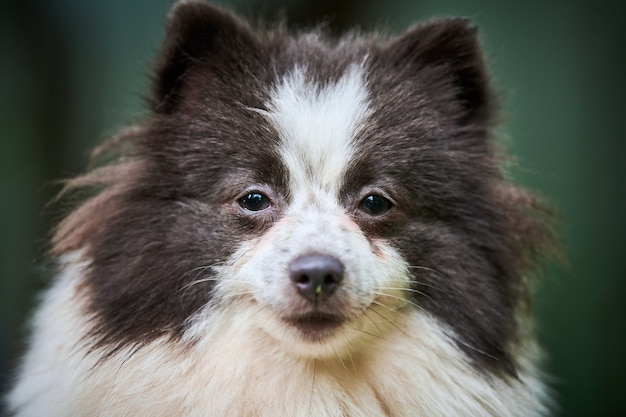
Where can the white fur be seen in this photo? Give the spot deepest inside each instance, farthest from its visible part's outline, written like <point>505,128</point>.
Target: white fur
<point>237,370</point>
<point>317,126</point>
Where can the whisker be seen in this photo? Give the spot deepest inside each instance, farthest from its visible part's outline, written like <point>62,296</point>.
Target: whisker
<point>200,270</point>
<point>209,279</point>
<point>429,270</point>
<point>353,372</point>
<point>386,319</point>
<point>377,336</point>
<point>312,386</point>
<point>203,268</point>
<point>374,323</point>
<point>393,310</point>
<point>403,299</point>
<point>196,282</point>
<point>474,348</point>
<point>367,333</point>
<point>413,290</point>
<point>400,289</point>
<point>281,324</point>
<point>425,268</point>
<point>231,296</point>
<point>383,294</point>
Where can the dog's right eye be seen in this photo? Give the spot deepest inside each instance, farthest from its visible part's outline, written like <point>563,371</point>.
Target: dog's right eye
<point>254,202</point>
<point>375,205</point>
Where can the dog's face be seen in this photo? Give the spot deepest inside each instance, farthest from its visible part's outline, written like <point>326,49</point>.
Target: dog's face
<point>324,189</point>
<point>313,266</point>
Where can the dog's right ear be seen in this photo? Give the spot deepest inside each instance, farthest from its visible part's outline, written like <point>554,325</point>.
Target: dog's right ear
<point>198,35</point>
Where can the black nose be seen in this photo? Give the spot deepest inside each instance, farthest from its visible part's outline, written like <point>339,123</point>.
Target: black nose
<point>316,277</point>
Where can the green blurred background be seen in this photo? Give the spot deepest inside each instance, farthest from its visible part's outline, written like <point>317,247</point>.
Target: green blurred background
<point>73,72</point>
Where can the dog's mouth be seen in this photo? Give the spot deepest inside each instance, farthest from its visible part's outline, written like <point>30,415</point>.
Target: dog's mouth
<point>315,325</point>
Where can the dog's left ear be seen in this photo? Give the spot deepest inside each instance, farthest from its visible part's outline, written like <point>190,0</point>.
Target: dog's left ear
<point>447,55</point>
<point>198,35</point>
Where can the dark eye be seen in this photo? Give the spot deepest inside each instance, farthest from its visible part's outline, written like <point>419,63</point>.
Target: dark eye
<point>375,205</point>
<point>254,202</point>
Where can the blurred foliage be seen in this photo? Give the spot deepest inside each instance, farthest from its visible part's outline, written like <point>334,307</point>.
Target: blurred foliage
<point>73,72</point>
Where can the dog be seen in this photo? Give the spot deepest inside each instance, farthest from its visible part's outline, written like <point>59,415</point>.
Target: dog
<point>303,225</point>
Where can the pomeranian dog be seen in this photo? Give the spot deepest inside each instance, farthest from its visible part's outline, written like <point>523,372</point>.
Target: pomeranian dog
<point>302,226</point>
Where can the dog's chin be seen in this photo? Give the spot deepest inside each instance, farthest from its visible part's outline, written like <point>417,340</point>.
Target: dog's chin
<point>315,326</point>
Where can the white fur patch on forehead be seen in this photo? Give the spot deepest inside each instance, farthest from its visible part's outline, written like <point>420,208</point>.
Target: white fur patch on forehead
<point>317,125</point>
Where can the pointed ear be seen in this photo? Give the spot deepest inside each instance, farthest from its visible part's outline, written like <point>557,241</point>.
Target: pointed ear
<point>449,52</point>
<point>197,34</point>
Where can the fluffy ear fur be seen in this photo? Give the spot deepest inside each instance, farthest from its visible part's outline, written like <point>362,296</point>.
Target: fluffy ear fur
<point>448,52</point>
<point>198,34</point>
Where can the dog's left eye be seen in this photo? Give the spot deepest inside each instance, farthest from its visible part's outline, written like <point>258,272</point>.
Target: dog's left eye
<point>254,202</point>
<point>375,205</point>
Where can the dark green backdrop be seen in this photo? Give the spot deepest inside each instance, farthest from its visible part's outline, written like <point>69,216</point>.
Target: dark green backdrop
<point>72,72</point>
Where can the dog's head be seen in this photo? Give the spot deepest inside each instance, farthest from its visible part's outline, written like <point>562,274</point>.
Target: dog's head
<point>323,188</point>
